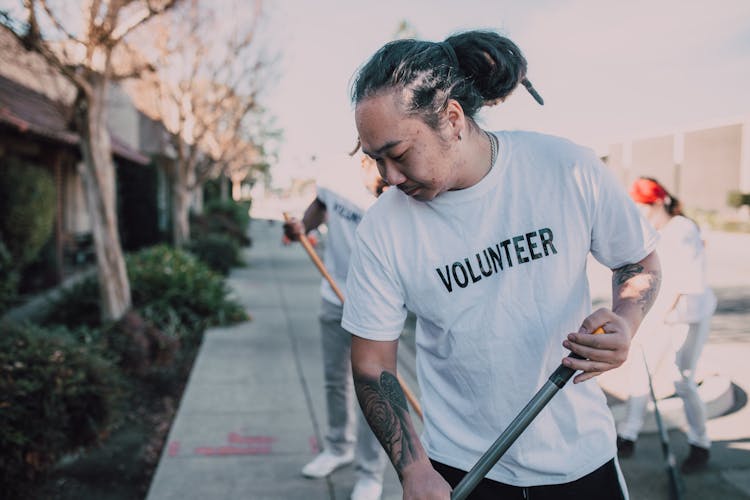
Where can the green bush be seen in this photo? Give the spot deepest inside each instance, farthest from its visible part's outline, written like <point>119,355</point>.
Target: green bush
<point>736,199</point>
<point>56,395</point>
<point>237,211</point>
<point>221,252</point>
<point>171,288</point>
<point>27,209</point>
<point>226,217</point>
<point>167,282</point>
<point>212,188</point>
<point>8,279</point>
<point>77,305</point>
<point>137,346</point>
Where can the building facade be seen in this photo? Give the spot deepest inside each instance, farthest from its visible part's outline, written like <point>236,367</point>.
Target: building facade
<point>700,165</point>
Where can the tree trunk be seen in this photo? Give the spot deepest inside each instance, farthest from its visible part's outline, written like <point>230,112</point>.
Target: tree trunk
<point>181,214</point>
<point>182,198</point>
<point>98,175</point>
<point>224,188</point>
<point>236,190</point>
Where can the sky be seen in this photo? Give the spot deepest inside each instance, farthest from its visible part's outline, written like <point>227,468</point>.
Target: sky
<point>607,70</point>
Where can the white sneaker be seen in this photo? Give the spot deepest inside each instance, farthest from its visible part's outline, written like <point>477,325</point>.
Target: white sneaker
<point>325,463</point>
<point>367,488</point>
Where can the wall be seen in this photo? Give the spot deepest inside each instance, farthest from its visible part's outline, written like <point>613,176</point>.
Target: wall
<point>700,165</point>
<point>712,166</point>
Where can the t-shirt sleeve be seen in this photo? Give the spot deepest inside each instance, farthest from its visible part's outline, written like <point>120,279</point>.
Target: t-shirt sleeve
<point>620,235</point>
<point>323,195</point>
<point>374,308</point>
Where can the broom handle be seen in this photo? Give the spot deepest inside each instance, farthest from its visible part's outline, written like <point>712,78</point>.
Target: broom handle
<point>554,383</point>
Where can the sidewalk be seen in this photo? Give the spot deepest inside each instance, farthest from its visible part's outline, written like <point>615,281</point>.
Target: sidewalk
<point>253,412</point>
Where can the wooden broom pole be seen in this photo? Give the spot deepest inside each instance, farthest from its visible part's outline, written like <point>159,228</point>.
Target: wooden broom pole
<point>323,271</point>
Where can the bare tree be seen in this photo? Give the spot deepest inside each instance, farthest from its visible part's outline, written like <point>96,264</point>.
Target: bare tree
<point>89,49</point>
<point>241,161</point>
<point>205,89</point>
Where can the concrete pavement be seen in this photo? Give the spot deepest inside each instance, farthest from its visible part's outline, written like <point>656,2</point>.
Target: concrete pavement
<point>253,412</point>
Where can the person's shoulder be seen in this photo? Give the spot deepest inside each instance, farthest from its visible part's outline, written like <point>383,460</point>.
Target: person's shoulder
<point>328,193</point>
<point>547,143</point>
<point>390,201</point>
<point>383,214</point>
<point>355,196</point>
<point>326,188</point>
<point>537,140</point>
<point>685,225</point>
<point>322,192</point>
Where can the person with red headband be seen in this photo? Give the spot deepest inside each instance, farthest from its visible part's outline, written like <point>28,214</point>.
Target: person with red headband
<point>681,315</point>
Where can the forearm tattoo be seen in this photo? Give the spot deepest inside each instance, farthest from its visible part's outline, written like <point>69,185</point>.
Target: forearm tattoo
<point>384,406</point>
<point>644,290</point>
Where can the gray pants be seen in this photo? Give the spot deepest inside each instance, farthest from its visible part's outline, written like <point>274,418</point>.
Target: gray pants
<point>345,419</point>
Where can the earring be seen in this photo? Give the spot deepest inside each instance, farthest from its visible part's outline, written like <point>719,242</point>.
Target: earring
<point>459,136</point>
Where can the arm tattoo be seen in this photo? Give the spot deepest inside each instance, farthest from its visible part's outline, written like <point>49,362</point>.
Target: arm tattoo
<point>384,405</point>
<point>646,293</point>
<point>624,273</point>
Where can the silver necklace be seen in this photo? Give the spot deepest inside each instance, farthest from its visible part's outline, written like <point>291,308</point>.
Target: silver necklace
<point>493,148</point>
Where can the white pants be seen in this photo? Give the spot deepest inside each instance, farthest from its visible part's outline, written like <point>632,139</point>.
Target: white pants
<point>345,418</point>
<point>656,349</point>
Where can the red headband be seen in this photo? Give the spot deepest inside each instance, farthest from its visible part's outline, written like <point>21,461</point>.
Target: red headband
<point>647,191</point>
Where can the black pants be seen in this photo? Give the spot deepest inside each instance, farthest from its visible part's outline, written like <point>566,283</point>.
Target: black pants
<point>602,484</point>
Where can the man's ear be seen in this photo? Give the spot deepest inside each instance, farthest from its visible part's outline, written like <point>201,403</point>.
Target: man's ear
<point>455,119</point>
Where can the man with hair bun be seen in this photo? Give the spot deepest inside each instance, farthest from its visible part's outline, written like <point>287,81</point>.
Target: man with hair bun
<point>485,239</point>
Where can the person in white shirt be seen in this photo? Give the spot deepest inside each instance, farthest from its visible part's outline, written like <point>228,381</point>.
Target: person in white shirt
<point>485,238</point>
<point>349,438</point>
<point>681,317</point>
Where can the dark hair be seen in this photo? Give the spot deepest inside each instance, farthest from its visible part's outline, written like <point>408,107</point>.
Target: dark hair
<point>476,68</point>
<point>672,205</point>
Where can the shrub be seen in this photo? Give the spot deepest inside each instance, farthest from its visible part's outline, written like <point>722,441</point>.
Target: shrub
<point>8,279</point>
<point>41,273</point>
<point>167,281</point>
<point>219,251</point>
<point>56,395</point>
<point>224,217</point>
<point>237,211</point>
<point>176,292</point>
<point>138,346</point>
<point>736,199</point>
<point>27,209</point>
<point>77,305</point>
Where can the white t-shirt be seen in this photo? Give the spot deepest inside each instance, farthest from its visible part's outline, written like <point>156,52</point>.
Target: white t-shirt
<point>683,264</point>
<point>343,214</point>
<point>496,275</point>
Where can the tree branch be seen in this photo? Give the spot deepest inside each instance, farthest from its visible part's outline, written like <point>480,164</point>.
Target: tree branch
<point>33,41</point>
<point>140,18</point>
<point>137,67</point>
<point>56,22</point>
